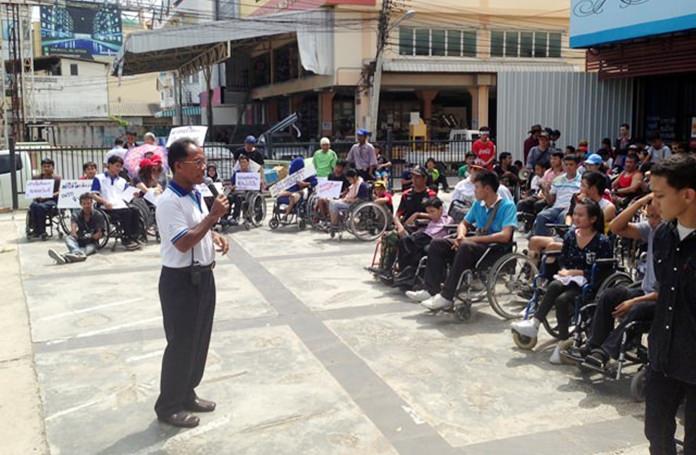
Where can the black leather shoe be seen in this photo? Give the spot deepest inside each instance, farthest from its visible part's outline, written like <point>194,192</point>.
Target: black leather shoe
<point>181,419</point>
<point>200,405</point>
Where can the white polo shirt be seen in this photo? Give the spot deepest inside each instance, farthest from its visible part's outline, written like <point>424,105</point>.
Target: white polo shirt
<point>178,211</point>
<point>111,189</point>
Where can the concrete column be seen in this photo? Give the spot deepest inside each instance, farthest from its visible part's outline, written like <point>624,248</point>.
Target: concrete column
<point>326,113</point>
<point>473,115</point>
<point>362,108</point>
<point>482,116</point>
<point>427,97</point>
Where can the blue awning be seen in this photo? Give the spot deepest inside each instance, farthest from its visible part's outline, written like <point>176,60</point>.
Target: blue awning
<point>187,111</point>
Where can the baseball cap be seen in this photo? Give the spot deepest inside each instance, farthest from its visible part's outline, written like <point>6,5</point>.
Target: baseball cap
<point>250,140</point>
<point>544,134</point>
<point>362,132</point>
<point>535,128</point>
<point>380,183</point>
<point>594,159</point>
<point>419,170</point>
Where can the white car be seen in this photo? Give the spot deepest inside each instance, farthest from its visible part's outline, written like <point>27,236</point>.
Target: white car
<point>23,168</point>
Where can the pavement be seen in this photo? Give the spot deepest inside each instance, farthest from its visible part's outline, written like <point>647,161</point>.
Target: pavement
<point>309,355</point>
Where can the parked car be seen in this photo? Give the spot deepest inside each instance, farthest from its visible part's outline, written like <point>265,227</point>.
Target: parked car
<point>23,168</point>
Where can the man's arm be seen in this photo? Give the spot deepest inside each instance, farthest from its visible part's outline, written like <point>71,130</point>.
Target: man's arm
<point>196,234</point>
<point>622,226</point>
<point>635,184</point>
<point>504,236</point>
<point>73,229</point>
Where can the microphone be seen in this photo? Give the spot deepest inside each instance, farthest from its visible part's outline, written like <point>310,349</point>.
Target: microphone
<point>211,186</point>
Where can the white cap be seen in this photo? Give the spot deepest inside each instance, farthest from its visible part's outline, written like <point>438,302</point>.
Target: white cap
<point>324,140</point>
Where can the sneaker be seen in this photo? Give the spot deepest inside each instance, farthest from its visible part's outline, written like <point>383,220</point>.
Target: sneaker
<point>56,256</point>
<point>131,246</point>
<point>555,358</point>
<point>598,359</point>
<point>72,257</point>
<point>437,302</point>
<point>526,328</point>
<point>576,354</point>
<point>234,222</point>
<point>418,296</point>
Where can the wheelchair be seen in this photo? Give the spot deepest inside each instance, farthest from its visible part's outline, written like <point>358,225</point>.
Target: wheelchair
<point>57,222</point>
<point>253,210</point>
<point>114,230</point>
<point>365,220</point>
<point>146,213</point>
<point>299,215</point>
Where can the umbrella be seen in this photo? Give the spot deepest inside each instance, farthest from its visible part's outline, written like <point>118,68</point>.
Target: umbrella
<point>133,157</point>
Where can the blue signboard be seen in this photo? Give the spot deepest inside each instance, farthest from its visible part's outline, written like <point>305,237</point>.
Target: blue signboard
<point>81,29</point>
<point>595,22</point>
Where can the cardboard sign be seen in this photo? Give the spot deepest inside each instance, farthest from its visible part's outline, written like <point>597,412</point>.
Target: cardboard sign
<point>329,189</point>
<point>248,181</point>
<point>196,133</point>
<point>290,180</point>
<point>70,192</point>
<point>152,196</point>
<point>39,189</point>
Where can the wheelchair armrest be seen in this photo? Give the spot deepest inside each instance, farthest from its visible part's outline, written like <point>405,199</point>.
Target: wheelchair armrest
<point>557,226</point>
<point>607,261</point>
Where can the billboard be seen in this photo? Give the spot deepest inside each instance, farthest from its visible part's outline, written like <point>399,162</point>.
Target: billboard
<point>595,22</point>
<point>261,7</point>
<point>81,29</point>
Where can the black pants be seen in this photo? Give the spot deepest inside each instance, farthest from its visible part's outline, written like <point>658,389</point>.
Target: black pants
<point>412,248</point>
<point>128,218</point>
<point>187,311</point>
<point>603,333</point>
<point>39,211</point>
<point>531,205</point>
<point>440,254</point>
<point>663,395</point>
<point>441,180</point>
<point>236,201</point>
<point>563,298</point>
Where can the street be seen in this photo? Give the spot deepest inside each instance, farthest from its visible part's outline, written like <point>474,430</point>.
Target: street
<point>309,355</point>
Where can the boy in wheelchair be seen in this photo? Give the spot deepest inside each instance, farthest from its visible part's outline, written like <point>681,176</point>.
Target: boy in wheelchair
<point>291,197</point>
<point>41,208</point>
<point>86,228</point>
<point>493,220</point>
<point>107,190</point>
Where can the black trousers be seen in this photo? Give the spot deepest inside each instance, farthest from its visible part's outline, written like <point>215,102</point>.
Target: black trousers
<point>440,254</point>
<point>563,298</point>
<point>531,205</point>
<point>411,249</point>
<point>128,219</point>
<point>187,311</point>
<point>236,201</point>
<point>663,395</point>
<point>603,333</point>
<point>39,213</point>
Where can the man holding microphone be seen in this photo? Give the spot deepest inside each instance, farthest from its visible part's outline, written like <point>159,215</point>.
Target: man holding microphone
<point>186,285</point>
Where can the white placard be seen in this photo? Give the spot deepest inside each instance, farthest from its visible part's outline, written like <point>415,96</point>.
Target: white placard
<point>329,189</point>
<point>205,191</point>
<point>39,189</point>
<point>196,133</point>
<point>129,193</point>
<point>291,179</point>
<point>152,196</point>
<point>248,181</point>
<point>70,192</point>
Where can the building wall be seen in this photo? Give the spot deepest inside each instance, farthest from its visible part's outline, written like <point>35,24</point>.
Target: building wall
<point>84,69</point>
<point>66,97</point>
<point>578,104</point>
<point>133,95</point>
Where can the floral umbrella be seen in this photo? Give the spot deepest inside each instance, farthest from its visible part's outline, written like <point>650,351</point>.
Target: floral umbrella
<point>133,157</point>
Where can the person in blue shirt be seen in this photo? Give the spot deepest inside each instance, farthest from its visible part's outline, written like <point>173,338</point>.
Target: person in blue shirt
<point>294,194</point>
<point>491,218</point>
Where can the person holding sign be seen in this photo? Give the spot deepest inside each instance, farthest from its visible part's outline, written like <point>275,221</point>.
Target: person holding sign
<point>40,208</point>
<point>293,195</point>
<point>186,283</point>
<point>236,198</point>
<point>111,191</point>
<point>86,228</point>
<point>357,191</point>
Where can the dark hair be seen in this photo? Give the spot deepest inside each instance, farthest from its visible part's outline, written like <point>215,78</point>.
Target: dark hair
<point>632,156</point>
<point>593,211</point>
<point>542,164</point>
<point>131,133</point>
<point>431,159</point>
<point>484,129</point>
<point>85,196</point>
<point>625,125</point>
<point>573,158</point>
<point>118,142</point>
<point>48,161</point>
<point>243,156</point>
<point>678,169</point>
<point>435,202</point>
<point>342,163</point>
<point>557,154</point>
<point>88,164</point>
<point>519,163</point>
<point>487,178</point>
<point>654,137</point>
<point>556,133</point>
<point>504,155</point>
<point>350,173</point>
<point>606,141</point>
<point>595,179</point>
<point>115,159</point>
<point>469,155</point>
<point>570,149</point>
<point>178,151</point>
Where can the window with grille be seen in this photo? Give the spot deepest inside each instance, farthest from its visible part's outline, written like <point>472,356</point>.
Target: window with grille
<point>511,44</point>
<point>435,42</point>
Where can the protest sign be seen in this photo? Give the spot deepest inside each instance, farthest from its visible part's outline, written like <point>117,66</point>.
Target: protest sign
<point>205,191</point>
<point>292,179</point>
<point>39,189</point>
<point>70,192</point>
<point>248,181</point>
<point>196,133</point>
<point>329,189</point>
<point>129,193</point>
<point>152,196</point>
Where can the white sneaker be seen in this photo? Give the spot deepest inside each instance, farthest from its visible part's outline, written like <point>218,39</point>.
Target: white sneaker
<point>418,296</point>
<point>526,328</point>
<point>56,256</point>
<point>437,302</point>
<point>556,355</point>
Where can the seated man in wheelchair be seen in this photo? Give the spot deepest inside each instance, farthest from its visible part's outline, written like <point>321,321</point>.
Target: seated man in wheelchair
<point>381,196</point>
<point>494,220</point>
<point>86,228</point>
<point>357,191</point>
<point>235,197</point>
<point>629,304</point>
<point>582,246</point>
<point>41,208</point>
<point>293,195</point>
<point>107,189</point>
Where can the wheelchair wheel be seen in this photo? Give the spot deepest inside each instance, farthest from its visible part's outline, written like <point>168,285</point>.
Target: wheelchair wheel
<point>302,224</point>
<point>510,284</point>
<point>367,221</point>
<point>463,312</point>
<point>104,240</point>
<point>524,342</point>
<point>256,209</point>
<point>638,385</point>
<point>616,279</point>
<point>273,223</point>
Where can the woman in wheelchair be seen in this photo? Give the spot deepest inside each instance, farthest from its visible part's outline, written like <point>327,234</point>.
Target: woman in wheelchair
<point>493,218</point>
<point>357,191</point>
<point>582,246</point>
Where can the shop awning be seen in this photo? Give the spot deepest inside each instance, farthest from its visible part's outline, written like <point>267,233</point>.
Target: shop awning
<point>418,65</point>
<point>168,49</point>
<point>187,111</point>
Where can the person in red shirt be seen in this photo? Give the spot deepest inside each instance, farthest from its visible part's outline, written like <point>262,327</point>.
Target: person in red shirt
<point>484,149</point>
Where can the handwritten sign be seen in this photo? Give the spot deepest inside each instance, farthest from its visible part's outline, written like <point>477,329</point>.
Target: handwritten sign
<point>39,189</point>
<point>205,191</point>
<point>70,192</point>
<point>329,189</point>
<point>152,196</point>
<point>196,133</point>
<point>292,179</point>
<point>248,181</point>
<point>129,193</point>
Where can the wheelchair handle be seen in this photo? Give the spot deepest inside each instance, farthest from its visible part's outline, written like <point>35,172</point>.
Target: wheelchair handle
<point>606,260</point>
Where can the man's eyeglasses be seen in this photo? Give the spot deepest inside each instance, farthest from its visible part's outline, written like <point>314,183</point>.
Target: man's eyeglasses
<point>199,163</point>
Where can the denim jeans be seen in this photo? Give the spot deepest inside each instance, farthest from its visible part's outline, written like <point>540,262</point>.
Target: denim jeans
<point>551,215</point>
<point>74,247</point>
<point>39,212</point>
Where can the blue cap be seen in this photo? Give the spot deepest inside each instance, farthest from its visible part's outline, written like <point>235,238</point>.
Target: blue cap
<point>250,140</point>
<point>594,159</point>
<point>362,132</point>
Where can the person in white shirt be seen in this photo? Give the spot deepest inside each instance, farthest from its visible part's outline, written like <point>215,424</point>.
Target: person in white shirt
<point>658,150</point>
<point>117,150</point>
<point>464,190</point>
<point>562,190</point>
<point>186,284</point>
